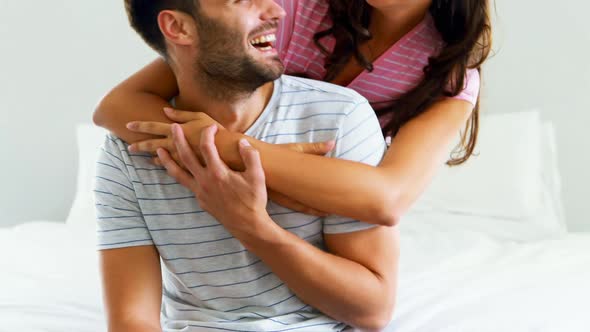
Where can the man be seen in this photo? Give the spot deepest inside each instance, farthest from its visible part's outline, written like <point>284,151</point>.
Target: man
<point>222,55</point>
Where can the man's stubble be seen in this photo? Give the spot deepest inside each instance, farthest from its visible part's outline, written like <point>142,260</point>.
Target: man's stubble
<point>224,67</point>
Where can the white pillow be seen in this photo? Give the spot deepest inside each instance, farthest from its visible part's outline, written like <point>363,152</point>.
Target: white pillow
<point>502,180</point>
<point>89,138</point>
<point>511,190</point>
<point>551,176</point>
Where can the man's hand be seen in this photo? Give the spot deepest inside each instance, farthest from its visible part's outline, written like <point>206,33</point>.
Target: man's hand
<point>355,284</point>
<point>234,198</point>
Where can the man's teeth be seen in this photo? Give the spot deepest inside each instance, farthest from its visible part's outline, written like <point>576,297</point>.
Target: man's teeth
<point>264,39</point>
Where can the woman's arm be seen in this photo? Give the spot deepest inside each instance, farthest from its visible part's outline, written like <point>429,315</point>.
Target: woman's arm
<point>140,97</point>
<point>378,195</point>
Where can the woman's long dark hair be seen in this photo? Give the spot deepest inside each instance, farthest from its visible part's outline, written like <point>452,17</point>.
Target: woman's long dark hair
<point>465,28</point>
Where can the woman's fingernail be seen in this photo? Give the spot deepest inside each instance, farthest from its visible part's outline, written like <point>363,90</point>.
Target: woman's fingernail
<point>130,125</point>
<point>131,148</point>
<point>168,110</point>
<point>244,142</point>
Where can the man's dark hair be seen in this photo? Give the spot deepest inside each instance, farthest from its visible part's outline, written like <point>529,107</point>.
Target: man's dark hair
<point>143,17</point>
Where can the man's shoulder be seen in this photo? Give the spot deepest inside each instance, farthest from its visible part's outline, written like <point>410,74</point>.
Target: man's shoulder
<point>116,148</point>
<point>313,111</point>
<point>307,89</point>
<point>113,142</point>
<point>116,152</point>
<point>113,147</point>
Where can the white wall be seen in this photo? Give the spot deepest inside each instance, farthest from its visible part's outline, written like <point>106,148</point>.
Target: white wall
<point>543,61</point>
<point>59,57</point>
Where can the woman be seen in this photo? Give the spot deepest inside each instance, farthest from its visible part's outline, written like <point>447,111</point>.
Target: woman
<point>418,64</point>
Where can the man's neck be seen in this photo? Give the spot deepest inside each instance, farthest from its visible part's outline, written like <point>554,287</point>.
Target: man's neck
<point>236,113</point>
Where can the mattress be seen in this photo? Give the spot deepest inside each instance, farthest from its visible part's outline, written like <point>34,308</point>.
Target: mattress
<point>49,279</point>
<point>454,276</point>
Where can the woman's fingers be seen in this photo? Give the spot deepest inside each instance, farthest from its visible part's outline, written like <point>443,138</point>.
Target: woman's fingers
<point>319,148</point>
<point>152,145</point>
<point>174,170</point>
<point>185,152</point>
<point>150,127</point>
<point>182,116</point>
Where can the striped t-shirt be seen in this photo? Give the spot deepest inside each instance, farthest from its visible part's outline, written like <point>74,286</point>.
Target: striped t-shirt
<point>211,282</point>
<point>396,72</point>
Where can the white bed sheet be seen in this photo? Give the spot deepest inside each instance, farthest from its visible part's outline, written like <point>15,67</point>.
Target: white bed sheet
<point>49,279</point>
<point>454,277</point>
<point>457,275</point>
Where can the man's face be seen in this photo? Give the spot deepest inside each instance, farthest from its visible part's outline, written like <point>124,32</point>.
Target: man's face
<point>235,43</point>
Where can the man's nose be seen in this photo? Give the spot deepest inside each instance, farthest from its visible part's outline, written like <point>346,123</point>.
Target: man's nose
<point>272,11</point>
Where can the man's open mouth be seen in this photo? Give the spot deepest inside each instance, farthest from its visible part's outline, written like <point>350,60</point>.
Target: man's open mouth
<point>264,43</point>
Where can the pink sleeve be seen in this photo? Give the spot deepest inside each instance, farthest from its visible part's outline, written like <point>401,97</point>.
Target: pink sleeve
<point>472,84</point>
<point>285,30</point>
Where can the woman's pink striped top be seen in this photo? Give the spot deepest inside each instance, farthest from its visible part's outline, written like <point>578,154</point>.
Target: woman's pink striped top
<point>396,72</point>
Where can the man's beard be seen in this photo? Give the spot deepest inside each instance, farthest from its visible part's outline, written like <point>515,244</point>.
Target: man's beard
<point>224,67</point>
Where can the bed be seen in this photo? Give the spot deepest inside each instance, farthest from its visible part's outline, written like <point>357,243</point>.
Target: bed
<point>501,262</point>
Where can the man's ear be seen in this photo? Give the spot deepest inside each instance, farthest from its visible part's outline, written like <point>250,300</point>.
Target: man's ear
<point>177,27</point>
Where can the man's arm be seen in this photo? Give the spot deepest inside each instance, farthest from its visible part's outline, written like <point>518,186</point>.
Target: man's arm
<point>132,288</point>
<point>354,283</point>
<point>129,262</point>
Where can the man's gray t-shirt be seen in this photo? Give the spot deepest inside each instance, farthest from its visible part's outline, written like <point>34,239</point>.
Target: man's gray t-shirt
<point>211,282</point>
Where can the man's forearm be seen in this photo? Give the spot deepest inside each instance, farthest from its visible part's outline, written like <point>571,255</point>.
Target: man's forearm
<point>341,288</point>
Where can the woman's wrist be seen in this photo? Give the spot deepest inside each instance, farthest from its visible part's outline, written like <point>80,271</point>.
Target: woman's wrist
<point>227,143</point>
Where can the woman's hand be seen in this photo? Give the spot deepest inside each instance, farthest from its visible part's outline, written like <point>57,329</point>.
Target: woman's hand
<point>192,124</point>
<point>236,199</point>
